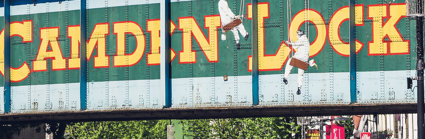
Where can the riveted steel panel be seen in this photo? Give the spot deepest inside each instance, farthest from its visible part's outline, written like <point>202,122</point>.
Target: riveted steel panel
<point>326,84</point>
<point>49,87</point>
<point>383,66</point>
<point>131,84</point>
<point>208,69</point>
<point>217,75</point>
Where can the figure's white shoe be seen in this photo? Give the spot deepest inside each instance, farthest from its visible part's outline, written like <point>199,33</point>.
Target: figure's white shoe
<point>223,36</point>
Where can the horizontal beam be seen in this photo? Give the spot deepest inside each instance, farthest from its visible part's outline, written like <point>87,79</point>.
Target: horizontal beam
<point>202,113</point>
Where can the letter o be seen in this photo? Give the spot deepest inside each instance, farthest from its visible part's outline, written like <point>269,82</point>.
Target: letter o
<point>317,20</point>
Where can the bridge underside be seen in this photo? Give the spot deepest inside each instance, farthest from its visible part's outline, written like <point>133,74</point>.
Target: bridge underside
<point>202,113</point>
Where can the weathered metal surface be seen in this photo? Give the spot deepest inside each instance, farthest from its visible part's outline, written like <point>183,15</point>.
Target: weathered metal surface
<point>207,68</point>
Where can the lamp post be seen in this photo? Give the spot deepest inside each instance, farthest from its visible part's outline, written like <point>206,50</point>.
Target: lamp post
<point>420,68</point>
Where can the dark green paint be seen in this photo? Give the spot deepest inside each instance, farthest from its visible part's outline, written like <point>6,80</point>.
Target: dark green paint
<point>232,62</point>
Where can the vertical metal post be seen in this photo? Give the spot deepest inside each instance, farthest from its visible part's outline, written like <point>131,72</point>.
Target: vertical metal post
<point>83,59</point>
<point>353,75</point>
<point>7,91</point>
<point>420,68</point>
<point>254,72</point>
<point>170,131</point>
<point>165,52</point>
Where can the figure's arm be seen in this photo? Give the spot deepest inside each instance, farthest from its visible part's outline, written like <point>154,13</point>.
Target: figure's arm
<point>296,44</point>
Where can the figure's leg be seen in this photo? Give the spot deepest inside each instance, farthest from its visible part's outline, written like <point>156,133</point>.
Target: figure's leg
<point>300,80</point>
<point>236,35</point>
<point>242,30</point>
<point>300,77</point>
<point>288,69</point>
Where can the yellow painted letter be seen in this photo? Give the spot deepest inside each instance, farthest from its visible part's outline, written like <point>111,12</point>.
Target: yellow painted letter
<point>74,34</point>
<point>317,20</point>
<point>267,62</point>
<point>121,59</point>
<point>339,17</point>
<point>153,57</point>
<point>97,38</point>
<point>387,30</point>
<point>49,36</point>
<point>23,30</point>
<point>190,27</point>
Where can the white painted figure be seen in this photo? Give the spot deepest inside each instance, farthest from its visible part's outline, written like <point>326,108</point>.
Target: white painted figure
<point>303,49</point>
<point>227,16</point>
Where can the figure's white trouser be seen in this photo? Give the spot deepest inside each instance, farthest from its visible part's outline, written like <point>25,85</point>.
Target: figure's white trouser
<point>288,69</point>
<point>241,30</point>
